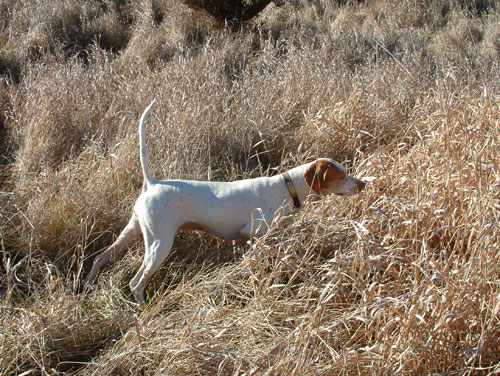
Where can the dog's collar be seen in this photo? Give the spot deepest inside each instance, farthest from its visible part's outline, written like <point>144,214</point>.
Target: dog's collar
<point>291,189</point>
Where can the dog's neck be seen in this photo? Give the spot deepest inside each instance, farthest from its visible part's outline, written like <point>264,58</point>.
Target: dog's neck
<point>301,187</point>
<point>291,190</point>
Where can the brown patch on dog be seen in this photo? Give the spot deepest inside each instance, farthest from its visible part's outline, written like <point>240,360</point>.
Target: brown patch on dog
<point>193,226</point>
<point>322,173</point>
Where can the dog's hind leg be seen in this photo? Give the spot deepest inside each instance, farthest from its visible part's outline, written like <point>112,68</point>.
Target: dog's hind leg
<point>128,236</point>
<point>157,250</point>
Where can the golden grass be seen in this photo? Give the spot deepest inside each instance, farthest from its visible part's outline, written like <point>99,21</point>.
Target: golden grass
<point>402,279</point>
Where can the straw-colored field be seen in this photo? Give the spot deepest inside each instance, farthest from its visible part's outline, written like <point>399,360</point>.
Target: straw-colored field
<point>402,279</point>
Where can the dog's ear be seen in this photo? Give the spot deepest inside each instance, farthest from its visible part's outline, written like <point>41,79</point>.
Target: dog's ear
<point>315,175</point>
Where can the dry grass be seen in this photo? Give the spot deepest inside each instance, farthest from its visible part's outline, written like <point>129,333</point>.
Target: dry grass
<point>402,279</point>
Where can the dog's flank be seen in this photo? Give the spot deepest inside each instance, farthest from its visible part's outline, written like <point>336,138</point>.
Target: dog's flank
<point>228,210</point>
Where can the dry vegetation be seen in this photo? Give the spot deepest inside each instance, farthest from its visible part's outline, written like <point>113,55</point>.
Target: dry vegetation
<point>402,279</point>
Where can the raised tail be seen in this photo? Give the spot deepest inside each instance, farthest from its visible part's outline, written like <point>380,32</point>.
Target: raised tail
<point>148,178</point>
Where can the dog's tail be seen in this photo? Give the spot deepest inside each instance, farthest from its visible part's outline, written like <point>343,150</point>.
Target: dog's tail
<point>148,178</point>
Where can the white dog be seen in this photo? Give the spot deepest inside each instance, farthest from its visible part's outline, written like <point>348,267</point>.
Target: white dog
<point>226,210</point>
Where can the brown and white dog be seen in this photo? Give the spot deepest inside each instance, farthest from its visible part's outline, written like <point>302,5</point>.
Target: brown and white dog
<point>228,210</point>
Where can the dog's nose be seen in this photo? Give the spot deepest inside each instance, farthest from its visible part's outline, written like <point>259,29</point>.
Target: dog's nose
<point>361,185</point>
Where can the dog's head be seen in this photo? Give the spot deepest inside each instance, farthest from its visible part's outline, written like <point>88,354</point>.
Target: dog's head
<point>327,176</point>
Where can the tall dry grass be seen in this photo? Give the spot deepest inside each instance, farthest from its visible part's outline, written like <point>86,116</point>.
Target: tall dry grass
<point>402,279</point>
